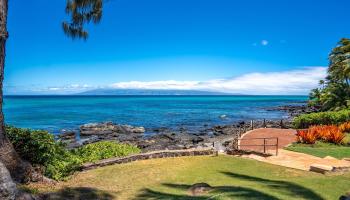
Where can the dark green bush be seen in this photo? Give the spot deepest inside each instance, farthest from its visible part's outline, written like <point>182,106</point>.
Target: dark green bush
<point>40,147</point>
<point>35,146</point>
<point>321,118</point>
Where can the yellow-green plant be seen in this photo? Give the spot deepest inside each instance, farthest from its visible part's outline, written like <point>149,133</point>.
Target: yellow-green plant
<point>104,149</point>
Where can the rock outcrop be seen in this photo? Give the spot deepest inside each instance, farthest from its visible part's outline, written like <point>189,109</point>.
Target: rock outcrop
<point>67,135</point>
<point>165,138</point>
<point>108,128</point>
<point>295,110</point>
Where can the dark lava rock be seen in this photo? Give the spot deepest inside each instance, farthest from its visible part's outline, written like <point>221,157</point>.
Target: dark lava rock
<point>108,128</point>
<point>241,123</point>
<point>226,130</point>
<point>89,140</point>
<point>128,137</point>
<point>165,138</point>
<point>67,134</point>
<point>171,141</point>
<point>161,130</point>
<point>197,139</point>
<point>295,110</point>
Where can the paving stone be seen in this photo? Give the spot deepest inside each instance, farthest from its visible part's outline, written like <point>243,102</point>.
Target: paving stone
<point>321,168</point>
<point>330,158</point>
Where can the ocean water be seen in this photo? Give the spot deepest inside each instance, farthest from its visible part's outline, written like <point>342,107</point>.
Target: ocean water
<point>54,113</point>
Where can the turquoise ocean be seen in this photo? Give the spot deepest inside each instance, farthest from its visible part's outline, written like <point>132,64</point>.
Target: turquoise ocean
<point>54,113</point>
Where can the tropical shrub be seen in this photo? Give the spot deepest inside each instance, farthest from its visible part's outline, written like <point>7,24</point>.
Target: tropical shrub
<point>105,149</point>
<point>345,127</point>
<point>335,136</point>
<point>318,132</point>
<point>321,118</point>
<point>34,146</point>
<point>305,136</point>
<point>62,166</point>
<point>40,148</point>
<point>329,133</point>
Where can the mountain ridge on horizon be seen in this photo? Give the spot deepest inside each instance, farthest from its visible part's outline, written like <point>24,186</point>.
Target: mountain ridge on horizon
<point>150,92</point>
<point>145,92</point>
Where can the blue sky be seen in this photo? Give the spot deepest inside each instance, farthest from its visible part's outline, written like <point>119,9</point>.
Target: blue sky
<point>221,45</point>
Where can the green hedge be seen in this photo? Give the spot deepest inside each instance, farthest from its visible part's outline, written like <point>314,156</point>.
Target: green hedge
<point>321,118</point>
<point>40,148</point>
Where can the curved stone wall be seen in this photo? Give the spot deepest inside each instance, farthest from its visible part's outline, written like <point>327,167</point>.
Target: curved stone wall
<point>149,155</point>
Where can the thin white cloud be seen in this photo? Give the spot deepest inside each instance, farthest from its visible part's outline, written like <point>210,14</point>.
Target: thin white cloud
<point>170,84</point>
<point>72,88</point>
<point>299,81</point>
<point>264,42</point>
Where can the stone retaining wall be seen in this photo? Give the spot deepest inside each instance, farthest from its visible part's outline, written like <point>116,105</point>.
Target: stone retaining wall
<point>240,152</point>
<point>146,156</point>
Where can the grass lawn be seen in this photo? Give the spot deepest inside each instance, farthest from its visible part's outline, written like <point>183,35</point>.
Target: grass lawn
<point>321,149</point>
<point>170,178</point>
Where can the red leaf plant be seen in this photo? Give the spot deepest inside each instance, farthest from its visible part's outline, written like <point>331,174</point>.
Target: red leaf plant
<point>305,136</point>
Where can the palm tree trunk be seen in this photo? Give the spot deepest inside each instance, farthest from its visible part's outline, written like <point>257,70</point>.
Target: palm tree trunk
<point>8,156</point>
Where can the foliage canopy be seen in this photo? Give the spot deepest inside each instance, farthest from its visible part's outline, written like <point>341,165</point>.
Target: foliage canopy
<point>334,91</point>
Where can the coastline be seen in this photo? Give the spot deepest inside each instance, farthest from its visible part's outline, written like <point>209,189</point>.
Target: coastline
<point>218,136</point>
<point>55,113</point>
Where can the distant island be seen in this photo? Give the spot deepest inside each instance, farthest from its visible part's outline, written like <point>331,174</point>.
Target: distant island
<point>150,92</point>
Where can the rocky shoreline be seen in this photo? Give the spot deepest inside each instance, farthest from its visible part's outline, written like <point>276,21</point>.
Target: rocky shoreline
<point>164,138</point>
<point>294,110</point>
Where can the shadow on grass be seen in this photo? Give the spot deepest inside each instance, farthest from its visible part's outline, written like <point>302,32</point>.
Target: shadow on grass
<point>79,193</point>
<point>283,187</point>
<point>220,191</point>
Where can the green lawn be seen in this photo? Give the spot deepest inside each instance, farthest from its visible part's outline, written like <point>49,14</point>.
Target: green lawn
<point>170,178</point>
<point>321,149</point>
